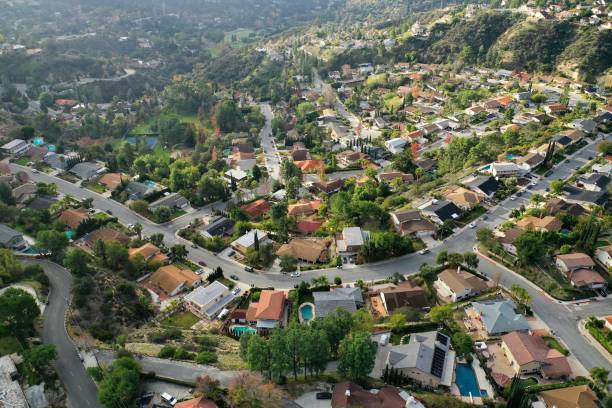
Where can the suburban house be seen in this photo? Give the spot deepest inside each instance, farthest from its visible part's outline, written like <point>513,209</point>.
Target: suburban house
<point>243,151</point>
<point>257,208</point>
<point>87,170</point>
<point>507,240</point>
<point>149,252</point>
<point>441,210</point>
<point>604,255</point>
<point>169,280</point>
<point>72,218</point>
<point>217,227</point>
<point>411,223</point>
<point>348,158</point>
<point>327,302</point>
<point>389,176</point>
<point>15,147</point>
<point>531,160</point>
<point>585,197</point>
<point>506,169</point>
<point>328,186</point>
<point>57,161</point>
<point>11,239</point>
<point>24,192</point>
<point>486,185</point>
<point>11,394</point>
<point>580,270</point>
<point>458,285</point>
<point>427,165</point>
<point>137,190</point>
<point>170,200</point>
<point>529,354</point>
<point>558,205</point>
<point>547,223</point>
<point>104,234</point>
<point>303,207</point>
<point>310,250</point>
<point>112,180</point>
<point>555,108</point>
<point>498,316</point>
<point>208,301</point>
<point>299,152</point>
<point>310,166</point>
<point>578,396</point>
<point>395,145</point>
<point>247,241</point>
<point>594,181</point>
<point>427,359</point>
<point>464,198</point>
<point>200,402</point>
<point>269,312</point>
<point>350,395</point>
<point>403,294</point>
<point>349,245</point>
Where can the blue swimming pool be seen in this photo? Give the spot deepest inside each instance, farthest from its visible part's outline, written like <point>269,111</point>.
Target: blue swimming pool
<point>467,382</point>
<point>306,312</point>
<point>238,330</point>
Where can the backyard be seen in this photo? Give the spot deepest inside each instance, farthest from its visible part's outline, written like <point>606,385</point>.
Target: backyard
<point>182,320</point>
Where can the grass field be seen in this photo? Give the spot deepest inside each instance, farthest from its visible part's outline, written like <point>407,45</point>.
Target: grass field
<point>96,187</point>
<point>554,344</point>
<point>146,128</point>
<point>183,320</point>
<point>9,345</point>
<point>22,161</point>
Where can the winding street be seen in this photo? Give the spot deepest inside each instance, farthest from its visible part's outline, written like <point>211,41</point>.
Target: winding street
<point>81,390</point>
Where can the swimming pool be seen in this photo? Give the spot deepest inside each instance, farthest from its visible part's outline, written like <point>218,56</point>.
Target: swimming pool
<point>239,330</point>
<point>306,312</point>
<point>467,382</point>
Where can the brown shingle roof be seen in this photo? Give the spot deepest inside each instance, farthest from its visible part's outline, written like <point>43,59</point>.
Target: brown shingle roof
<point>303,207</point>
<point>548,223</point>
<point>585,277</point>
<point>579,396</point>
<point>271,306</point>
<point>105,234</point>
<point>169,277</point>
<point>576,260</point>
<point>112,180</point>
<point>150,252</point>
<point>464,197</point>
<point>527,349</point>
<point>458,281</point>
<point>73,217</point>
<point>257,208</point>
<point>404,294</point>
<point>311,250</point>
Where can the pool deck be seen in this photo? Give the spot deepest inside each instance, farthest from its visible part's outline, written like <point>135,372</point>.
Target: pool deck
<point>312,311</point>
<point>481,377</point>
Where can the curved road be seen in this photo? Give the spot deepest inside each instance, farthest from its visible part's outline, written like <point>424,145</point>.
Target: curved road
<point>82,392</point>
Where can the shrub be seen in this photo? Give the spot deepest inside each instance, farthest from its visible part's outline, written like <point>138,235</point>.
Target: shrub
<point>207,342</point>
<point>206,357</point>
<point>173,333</point>
<point>182,354</point>
<point>166,352</point>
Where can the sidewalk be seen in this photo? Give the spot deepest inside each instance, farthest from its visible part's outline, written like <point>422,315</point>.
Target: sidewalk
<point>591,340</point>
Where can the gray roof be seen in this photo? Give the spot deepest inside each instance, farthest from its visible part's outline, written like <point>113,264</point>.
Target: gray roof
<point>203,295</point>
<point>11,394</point>
<point>343,298</point>
<point>7,234</point>
<point>353,236</point>
<point>137,189</point>
<point>498,316</point>
<point>171,200</point>
<point>86,170</point>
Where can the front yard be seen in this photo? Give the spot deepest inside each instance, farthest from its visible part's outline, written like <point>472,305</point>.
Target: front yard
<point>95,187</point>
<point>182,320</point>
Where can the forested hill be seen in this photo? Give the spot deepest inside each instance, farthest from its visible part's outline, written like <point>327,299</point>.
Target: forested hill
<point>499,39</point>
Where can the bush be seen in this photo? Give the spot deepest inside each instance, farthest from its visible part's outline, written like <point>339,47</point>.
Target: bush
<point>166,352</point>
<point>95,373</point>
<point>173,333</point>
<point>182,354</point>
<point>206,357</point>
<point>207,342</point>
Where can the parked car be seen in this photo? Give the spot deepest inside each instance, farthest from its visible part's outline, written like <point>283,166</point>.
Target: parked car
<point>424,251</point>
<point>201,263</point>
<point>109,212</point>
<point>472,225</point>
<point>169,398</point>
<point>34,171</point>
<point>513,197</point>
<point>234,277</point>
<point>236,291</point>
<point>323,395</point>
<point>249,269</point>
<point>548,173</point>
<point>295,274</point>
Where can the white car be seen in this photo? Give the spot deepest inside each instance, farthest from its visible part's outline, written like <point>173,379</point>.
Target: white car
<point>512,198</point>
<point>236,291</point>
<point>472,225</point>
<point>34,171</point>
<point>423,251</point>
<point>295,274</point>
<point>534,183</point>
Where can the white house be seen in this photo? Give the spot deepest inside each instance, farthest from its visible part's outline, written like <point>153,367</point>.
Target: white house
<point>507,169</point>
<point>16,147</point>
<point>395,145</point>
<point>210,300</point>
<point>604,255</point>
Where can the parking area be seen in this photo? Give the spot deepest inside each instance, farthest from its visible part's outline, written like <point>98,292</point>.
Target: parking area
<point>309,400</point>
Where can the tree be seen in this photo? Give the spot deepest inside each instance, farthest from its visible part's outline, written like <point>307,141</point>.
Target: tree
<point>116,255</point>
<point>137,228</point>
<point>455,259</point>
<point>336,326</point>
<point>40,357</point>
<point>53,242</point>
<point>517,395</point>
<point>357,355</point>
<point>258,355</point>
<point>6,194</point>
<point>600,377</point>
<point>337,281</point>
<point>295,346</point>
<point>77,261</point>
<point>556,186</point>
<point>248,390</point>
<point>463,344</point>
<point>178,252</point>
<point>18,312</point>
<point>521,295</point>
<point>45,99</point>
<point>397,320</point>
<point>157,239</point>
<point>529,247</point>
<point>441,314</point>
<point>442,257</point>
<point>120,386</point>
<point>470,259</point>
<point>428,273</point>
<point>362,320</point>
<point>288,263</point>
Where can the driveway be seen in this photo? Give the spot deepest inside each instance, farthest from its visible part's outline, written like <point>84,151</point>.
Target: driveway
<point>268,145</point>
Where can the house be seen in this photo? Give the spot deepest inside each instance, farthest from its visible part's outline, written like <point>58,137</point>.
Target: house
<point>604,255</point>
<point>427,359</point>
<point>247,241</point>
<point>507,240</point>
<point>326,303</point>
<point>200,402</point>
<point>170,280</point>
<point>403,294</point>
<point>350,395</point>
<point>441,210</point>
<point>594,181</point>
<point>217,227</point>
<point>15,147</point>
<point>306,227</point>
<point>348,158</point>
<point>389,176</point>
<point>427,165</point>
<point>137,190</point>
<point>585,197</point>
<point>310,166</point>
<point>580,270</point>
<point>578,396</point>
<point>112,180</point>
<point>558,206</point>
<point>555,109</point>
<point>24,192</point>
<point>208,301</point>
<point>104,234</point>
<point>72,218</point>
<point>396,145</point>
<point>562,141</point>
<point>36,153</point>
<point>57,161</point>
<point>458,285</point>
<point>299,152</point>
<point>464,198</point>
<point>531,160</point>
<point>11,394</point>
<point>269,312</point>
<point>411,223</point>
<point>506,169</point>
<point>11,239</point>
<point>328,186</point>
<point>149,252</point>
<point>475,110</point>
<point>547,223</point>
<point>486,185</point>
<point>584,125</point>
<point>602,169</point>
<point>87,170</point>
<point>350,243</point>
<point>310,250</point>
<point>243,151</point>
<point>236,174</point>
<point>529,354</point>
<point>257,208</point>
<point>499,316</point>
<point>304,207</point>
<point>41,203</point>
<point>170,200</point>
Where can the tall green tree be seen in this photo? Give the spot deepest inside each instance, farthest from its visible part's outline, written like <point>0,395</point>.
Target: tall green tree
<point>120,385</point>
<point>18,312</point>
<point>53,242</point>
<point>357,355</point>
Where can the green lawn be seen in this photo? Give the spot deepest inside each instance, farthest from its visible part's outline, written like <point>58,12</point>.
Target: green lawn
<point>96,187</point>
<point>146,128</point>
<point>22,161</point>
<point>9,345</point>
<point>183,320</point>
<point>554,344</point>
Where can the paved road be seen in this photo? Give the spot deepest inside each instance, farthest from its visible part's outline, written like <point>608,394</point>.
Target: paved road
<point>271,156</point>
<point>82,391</point>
